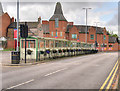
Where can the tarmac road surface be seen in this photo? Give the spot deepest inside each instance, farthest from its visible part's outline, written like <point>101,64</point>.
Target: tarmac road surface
<point>81,72</point>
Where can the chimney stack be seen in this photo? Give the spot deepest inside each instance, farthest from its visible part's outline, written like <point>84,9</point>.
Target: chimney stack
<point>12,19</point>
<point>39,19</point>
<point>15,24</point>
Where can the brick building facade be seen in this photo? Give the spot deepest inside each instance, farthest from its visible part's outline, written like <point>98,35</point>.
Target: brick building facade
<point>5,21</point>
<point>34,29</point>
<point>59,27</point>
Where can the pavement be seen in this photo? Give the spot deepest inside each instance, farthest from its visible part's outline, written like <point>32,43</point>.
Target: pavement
<point>5,57</point>
<point>5,60</point>
<point>81,72</point>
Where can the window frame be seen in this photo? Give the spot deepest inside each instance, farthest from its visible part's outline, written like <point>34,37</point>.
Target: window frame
<point>74,36</point>
<point>61,34</point>
<point>104,37</point>
<point>56,22</point>
<point>51,33</point>
<point>92,35</point>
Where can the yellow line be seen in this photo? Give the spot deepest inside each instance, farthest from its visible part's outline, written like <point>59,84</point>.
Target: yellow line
<point>108,77</point>
<point>111,79</point>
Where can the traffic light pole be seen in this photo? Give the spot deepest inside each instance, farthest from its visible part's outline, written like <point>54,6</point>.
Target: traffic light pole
<point>25,35</point>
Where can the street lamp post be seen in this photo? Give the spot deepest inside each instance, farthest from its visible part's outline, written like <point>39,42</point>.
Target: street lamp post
<point>96,35</point>
<point>17,24</point>
<point>86,9</point>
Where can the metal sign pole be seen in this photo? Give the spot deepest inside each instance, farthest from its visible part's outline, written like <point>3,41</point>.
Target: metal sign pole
<point>86,28</point>
<point>25,50</point>
<point>96,37</point>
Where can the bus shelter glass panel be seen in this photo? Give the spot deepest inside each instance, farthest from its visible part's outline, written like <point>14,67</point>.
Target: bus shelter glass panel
<point>74,44</point>
<point>47,43</point>
<point>51,44</point>
<point>29,43</point>
<point>41,44</point>
<point>69,43</point>
<point>78,44</point>
<point>56,43</point>
<point>64,44</point>
<point>59,43</point>
<point>84,45</point>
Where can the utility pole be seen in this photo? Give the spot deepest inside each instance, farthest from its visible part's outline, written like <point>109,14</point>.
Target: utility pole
<point>17,25</point>
<point>96,35</point>
<point>86,9</point>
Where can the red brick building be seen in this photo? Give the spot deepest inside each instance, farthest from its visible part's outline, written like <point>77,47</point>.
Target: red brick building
<point>59,27</point>
<point>5,21</point>
<point>34,29</point>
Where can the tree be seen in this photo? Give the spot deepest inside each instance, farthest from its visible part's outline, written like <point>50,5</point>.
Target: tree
<point>115,35</point>
<point>112,34</point>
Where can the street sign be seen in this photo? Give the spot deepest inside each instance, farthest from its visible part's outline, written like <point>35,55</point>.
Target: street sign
<point>56,37</point>
<point>78,40</point>
<point>15,34</point>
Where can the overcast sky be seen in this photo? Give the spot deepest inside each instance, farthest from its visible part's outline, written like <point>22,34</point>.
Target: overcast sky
<point>104,12</point>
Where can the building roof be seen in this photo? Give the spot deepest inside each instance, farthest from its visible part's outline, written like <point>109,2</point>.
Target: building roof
<point>45,28</point>
<point>99,30</point>
<point>82,28</point>
<point>1,9</point>
<point>112,39</point>
<point>30,24</point>
<point>58,13</point>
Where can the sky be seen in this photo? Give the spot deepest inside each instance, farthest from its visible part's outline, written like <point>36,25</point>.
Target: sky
<point>106,13</point>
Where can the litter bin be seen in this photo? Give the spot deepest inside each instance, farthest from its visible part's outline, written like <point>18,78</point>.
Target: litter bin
<point>15,57</point>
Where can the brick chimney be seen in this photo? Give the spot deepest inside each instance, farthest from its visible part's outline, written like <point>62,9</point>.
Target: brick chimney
<point>70,23</point>
<point>12,19</point>
<point>39,19</point>
<point>15,24</point>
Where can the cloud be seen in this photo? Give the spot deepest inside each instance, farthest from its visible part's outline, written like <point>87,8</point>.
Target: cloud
<point>30,11</point>
<point>113,21</point>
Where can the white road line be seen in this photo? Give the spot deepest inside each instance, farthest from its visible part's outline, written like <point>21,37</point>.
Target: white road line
<point>55,72</point>
<point>21,84</point>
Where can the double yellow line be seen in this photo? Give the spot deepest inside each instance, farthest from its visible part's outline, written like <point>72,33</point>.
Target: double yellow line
<point>108,82</point>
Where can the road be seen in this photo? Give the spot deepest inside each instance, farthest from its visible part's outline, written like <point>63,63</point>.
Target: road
<point>81,72</point>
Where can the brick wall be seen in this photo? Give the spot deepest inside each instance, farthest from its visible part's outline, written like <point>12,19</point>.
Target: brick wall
<point>62,28</point>
<point>114,48</point>
<point>10,43</point>
<point>5,23</point>
<point>73,30</point>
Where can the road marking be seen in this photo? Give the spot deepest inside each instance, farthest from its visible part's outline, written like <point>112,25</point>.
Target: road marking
<point>55,72</point>
<point>102,87</point>
<point>111,79</point>
<point>43,63</point>
<point>21,84</point>
<point>13,66</point>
